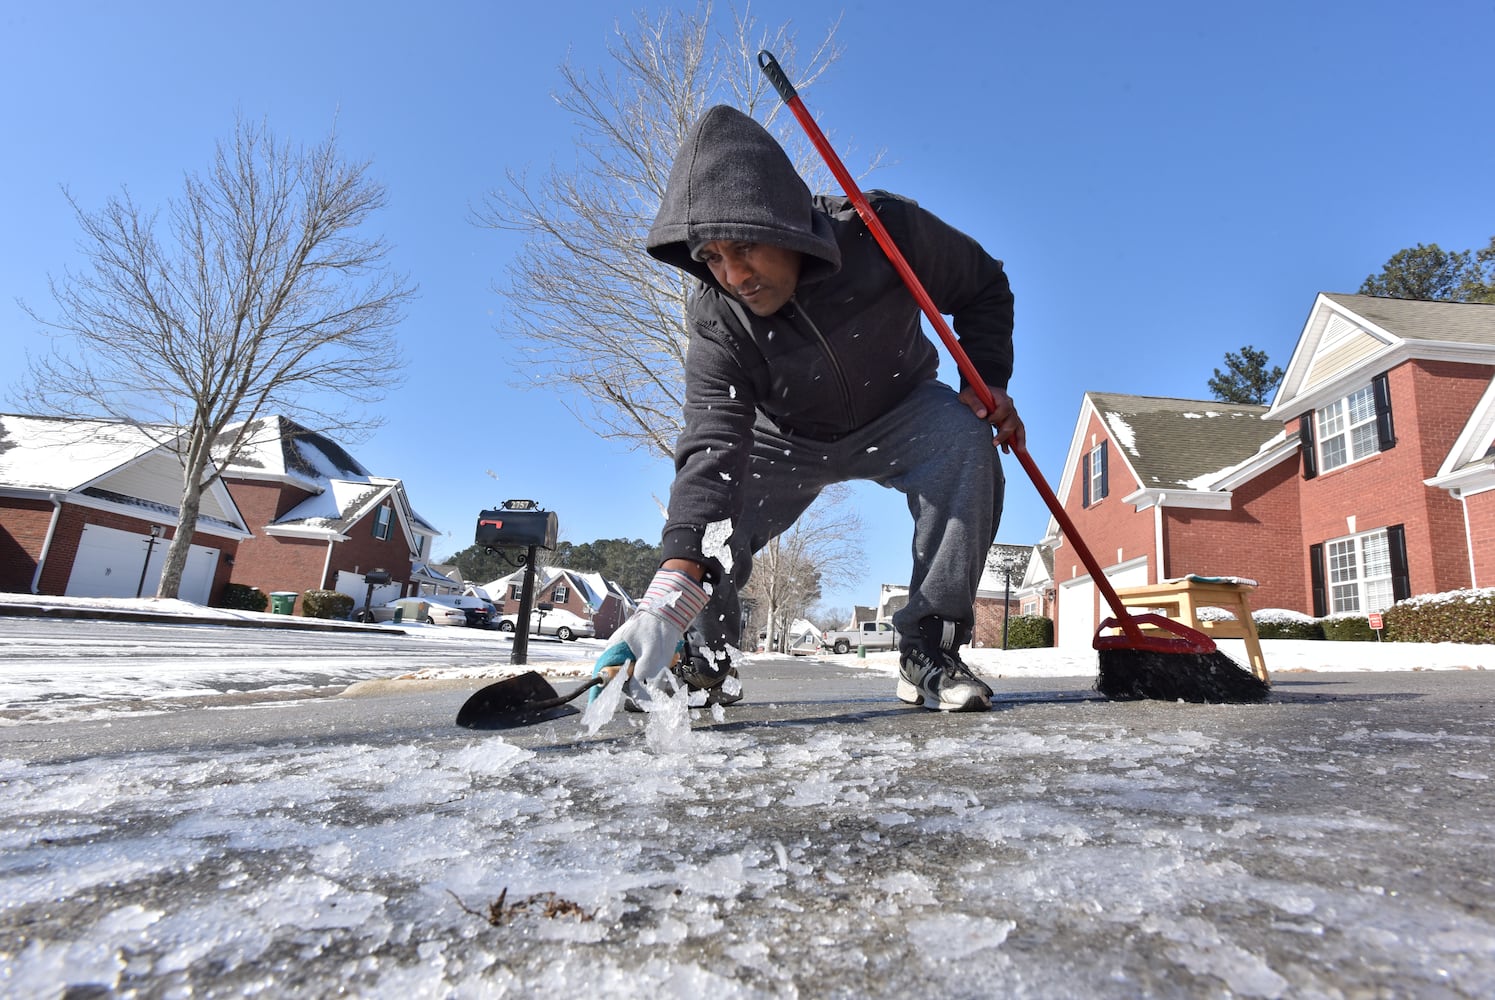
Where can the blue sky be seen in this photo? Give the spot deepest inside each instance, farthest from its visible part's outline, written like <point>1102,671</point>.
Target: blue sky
<point>1165,182</point>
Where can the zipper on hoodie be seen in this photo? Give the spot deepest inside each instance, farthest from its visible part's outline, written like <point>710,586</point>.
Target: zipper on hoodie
<point>798,313</point>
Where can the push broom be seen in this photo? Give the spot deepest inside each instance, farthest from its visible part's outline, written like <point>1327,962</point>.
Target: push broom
<point>1169,662</point>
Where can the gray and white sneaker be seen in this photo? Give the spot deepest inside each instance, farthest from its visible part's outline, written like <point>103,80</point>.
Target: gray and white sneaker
<point>710,671</point>
<point>930,671</point>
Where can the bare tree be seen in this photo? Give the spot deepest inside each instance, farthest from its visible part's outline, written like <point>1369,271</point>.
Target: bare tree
<point>822,549</point>
<point>593,318</point>
<point>261,296</point>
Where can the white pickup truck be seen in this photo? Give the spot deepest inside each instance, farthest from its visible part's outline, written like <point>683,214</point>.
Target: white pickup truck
<point>873,635</point>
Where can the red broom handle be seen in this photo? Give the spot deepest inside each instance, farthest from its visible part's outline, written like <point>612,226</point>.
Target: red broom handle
<point>974,379</point>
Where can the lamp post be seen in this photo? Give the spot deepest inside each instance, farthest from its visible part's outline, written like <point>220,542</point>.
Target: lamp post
<point>1006,596</point>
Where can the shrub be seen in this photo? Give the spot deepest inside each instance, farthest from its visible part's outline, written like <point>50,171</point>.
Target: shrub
<point>1280,623</point>
<point>1453,616</point>
<point>1029,632</point>
<point>1348,628</point>
<point>326,604</point>
<point>241,597</point>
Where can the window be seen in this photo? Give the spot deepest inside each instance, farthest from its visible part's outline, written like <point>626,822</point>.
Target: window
<point>382,517</point>
<point>1349,429</point>
<point>1093,484</point>
<point>1359,570</point>
<point>515,590</point>
<point>559,594</point>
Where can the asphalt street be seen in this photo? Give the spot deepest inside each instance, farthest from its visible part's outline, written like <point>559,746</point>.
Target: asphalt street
<point>1337,841</point>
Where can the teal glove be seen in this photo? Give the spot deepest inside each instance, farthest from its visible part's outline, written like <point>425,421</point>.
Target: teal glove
<point>649,643</point>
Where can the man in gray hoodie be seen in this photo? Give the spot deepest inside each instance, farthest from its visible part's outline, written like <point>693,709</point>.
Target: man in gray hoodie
<point>807,366</point>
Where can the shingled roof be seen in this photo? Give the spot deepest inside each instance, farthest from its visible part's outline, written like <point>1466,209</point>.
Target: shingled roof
<point>1414,319</point>
<point>1183,443</point>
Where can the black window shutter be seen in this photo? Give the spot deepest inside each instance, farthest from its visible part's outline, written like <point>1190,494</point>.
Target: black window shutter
<point>1385,426</point>
<point>1401,580</point>
<point>1316,569</point>
<point>1105,469</point>
<point>1085,480</point>
<point>1305,445</point>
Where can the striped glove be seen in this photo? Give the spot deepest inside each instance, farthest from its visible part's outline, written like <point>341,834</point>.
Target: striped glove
<point>649,642</point>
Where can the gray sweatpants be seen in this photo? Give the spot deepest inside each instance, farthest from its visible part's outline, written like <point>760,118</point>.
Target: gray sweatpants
<point>930,448</point>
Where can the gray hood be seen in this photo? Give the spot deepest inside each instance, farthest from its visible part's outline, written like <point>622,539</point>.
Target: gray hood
<point>732,181</point>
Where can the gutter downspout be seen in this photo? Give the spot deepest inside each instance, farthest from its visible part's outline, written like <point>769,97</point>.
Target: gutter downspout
<point>1468,539</point>
<point>41,559</point>
<point>327,564</point>
<point>1157,540</point>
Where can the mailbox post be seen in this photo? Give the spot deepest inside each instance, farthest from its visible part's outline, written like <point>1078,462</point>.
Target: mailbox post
<point>524,525</point>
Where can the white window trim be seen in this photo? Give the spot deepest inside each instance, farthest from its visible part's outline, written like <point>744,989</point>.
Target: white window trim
<point>1347,432</point>
<point>1364,602</point>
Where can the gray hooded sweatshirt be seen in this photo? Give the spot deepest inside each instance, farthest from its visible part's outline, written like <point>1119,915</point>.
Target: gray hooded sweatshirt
<point>844,351</point>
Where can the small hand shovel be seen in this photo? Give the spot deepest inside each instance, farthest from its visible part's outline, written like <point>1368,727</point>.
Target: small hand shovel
<point>521,701</point>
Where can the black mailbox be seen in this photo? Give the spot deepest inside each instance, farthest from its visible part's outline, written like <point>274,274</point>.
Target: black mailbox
<point>516,529</point>
<point>376,576</point>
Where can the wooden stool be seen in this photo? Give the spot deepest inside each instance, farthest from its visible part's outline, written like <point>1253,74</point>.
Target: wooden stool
<point>1182,599</point>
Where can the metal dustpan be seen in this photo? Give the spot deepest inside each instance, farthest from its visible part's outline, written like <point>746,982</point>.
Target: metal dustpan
<point>520,701</point>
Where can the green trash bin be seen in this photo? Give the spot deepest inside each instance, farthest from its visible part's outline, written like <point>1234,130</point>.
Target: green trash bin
<point>283,602</point>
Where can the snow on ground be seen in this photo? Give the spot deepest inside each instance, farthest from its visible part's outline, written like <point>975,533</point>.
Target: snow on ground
<point>836,859</point>
<point>574,659</point>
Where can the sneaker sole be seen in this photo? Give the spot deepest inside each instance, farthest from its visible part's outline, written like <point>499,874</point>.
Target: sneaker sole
<point>909,694</point>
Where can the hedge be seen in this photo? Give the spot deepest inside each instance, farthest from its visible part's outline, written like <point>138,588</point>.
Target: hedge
<point>241,597</point>
<point>326,604</point>
<point>1029,632</point>
<point>1453,616</point>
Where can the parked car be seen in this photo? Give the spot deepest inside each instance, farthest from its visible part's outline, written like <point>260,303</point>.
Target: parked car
<point>559,622</point>
<point>873,635</point>
<point>439,611</point>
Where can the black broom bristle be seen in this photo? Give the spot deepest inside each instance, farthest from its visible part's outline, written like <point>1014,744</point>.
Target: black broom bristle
<point>1129,674</point>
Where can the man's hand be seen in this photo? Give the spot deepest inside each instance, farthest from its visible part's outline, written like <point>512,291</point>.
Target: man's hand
<point>1004,418</point>
<point>647,643</point>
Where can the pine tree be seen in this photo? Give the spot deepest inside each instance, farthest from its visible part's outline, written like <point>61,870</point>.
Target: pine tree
<point>1246,378</point>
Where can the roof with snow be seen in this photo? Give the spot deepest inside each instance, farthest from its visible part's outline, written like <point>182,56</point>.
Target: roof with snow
<point>128,466</point>
<point>57,453</point>
<point>343,491</point>
<point>1183,443</point>
<point>278,447</point>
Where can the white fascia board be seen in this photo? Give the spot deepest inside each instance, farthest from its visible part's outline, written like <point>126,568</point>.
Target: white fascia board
<point>1390,357</point>
<point>1278,453</point>
<point>151,517</point>
<point>1465,482</point>
<point>1179,497</point>
<point>296,531</point>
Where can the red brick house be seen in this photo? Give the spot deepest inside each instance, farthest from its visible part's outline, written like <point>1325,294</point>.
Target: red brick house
<point>1370,478</point>
<point>88,507</point>
<point>321,520</point>
<point>589,595</point>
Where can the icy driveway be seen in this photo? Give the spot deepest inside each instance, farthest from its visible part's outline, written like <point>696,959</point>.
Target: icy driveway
<point>821,841</point>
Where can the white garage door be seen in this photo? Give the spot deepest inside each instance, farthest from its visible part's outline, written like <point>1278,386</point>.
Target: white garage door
<point>1077,598</point>
<point>1076,613</point>
<point>114,563</point>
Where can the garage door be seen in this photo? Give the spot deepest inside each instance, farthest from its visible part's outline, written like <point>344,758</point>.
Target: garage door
<point>1077,600</point>
<point>114,563</point>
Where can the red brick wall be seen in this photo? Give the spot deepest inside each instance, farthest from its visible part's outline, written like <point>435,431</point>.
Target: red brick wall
<point>273,563</point>
<point>1108,524</point>
<point>23,532</point>
<point>989,621</point>
<point>1430,404</point>
<point>69,533</point>
<point>1258,538</point>
<point>1480,510</point>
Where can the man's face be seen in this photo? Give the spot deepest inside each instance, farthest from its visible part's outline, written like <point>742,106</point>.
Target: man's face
<point>759,275</point>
